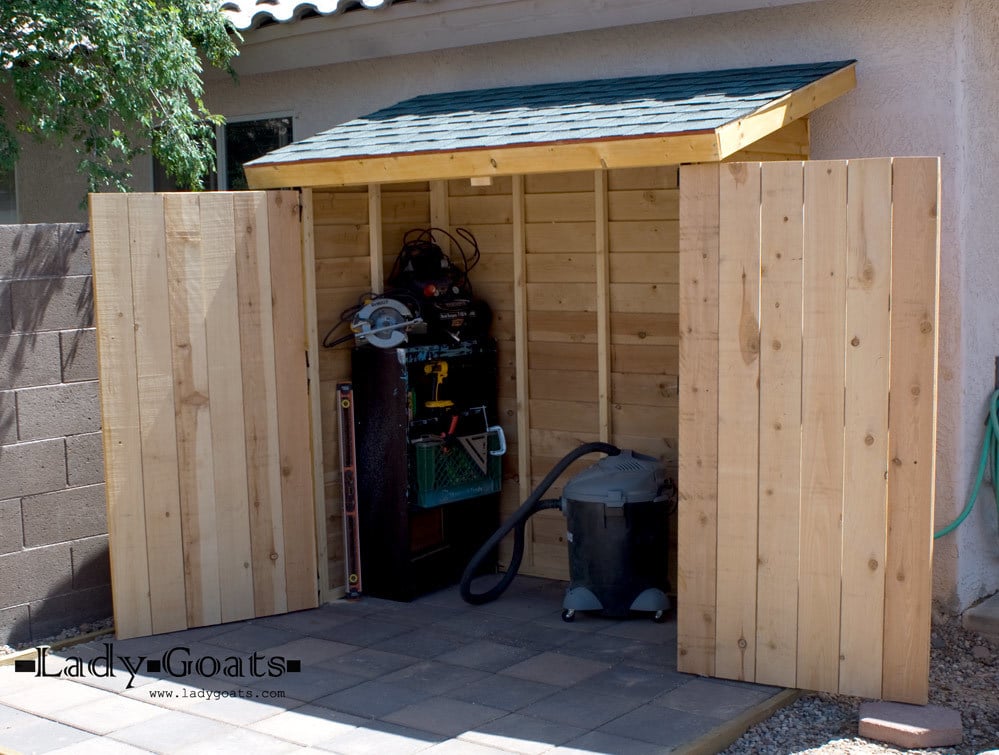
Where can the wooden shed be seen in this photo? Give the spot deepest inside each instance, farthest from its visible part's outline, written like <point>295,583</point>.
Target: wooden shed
<point>742,322</point>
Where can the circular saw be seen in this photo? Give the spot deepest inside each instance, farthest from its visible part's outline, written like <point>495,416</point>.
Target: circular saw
<point>385,323</point>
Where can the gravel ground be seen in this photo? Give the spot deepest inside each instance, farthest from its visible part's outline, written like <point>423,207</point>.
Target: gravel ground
<point>66,634</point>
<point>964,675</point>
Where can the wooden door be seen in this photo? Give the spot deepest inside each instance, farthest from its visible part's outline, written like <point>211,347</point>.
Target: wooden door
<point>808,299</point>
<point>202,329</point>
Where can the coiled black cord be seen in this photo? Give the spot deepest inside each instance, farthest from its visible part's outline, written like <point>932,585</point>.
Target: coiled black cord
<point>516,522</point>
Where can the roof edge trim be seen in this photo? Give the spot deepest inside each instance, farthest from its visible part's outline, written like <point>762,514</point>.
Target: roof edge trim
<point>741,133</point>
<point>547,157</point>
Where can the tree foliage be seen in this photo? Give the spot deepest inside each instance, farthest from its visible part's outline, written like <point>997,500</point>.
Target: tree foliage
<point>116,78</point>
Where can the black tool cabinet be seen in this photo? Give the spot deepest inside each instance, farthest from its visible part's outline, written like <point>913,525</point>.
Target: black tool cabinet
<point>408,549</point>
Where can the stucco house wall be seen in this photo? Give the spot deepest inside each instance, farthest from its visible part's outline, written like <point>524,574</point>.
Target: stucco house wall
<point>926,86</point>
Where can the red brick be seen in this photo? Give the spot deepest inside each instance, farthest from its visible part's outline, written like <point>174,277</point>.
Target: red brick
<point>910,726</point>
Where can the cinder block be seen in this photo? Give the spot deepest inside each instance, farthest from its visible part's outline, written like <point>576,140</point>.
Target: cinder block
<point>28,360</point>
<point>910,726</point>
<point>30,468</point>
<point>57,410</point>
<point>8,418</point>
<point>51,615</point>
<point>65,515</point>
<point>91,566</point>
<point>15,625</point>
<point>45,250</point>
<point>85,459</point>
<point>11,537</point>
<point>35,574</point>
<point>6,323</point>
<point>79,355</point>
<point>52,304</point>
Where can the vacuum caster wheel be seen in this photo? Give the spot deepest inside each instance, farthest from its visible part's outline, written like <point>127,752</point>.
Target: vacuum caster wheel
<point>569,614</point>
<point>659,617</point>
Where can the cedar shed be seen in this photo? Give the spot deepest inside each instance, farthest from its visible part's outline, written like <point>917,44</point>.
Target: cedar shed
<point>668,272</point>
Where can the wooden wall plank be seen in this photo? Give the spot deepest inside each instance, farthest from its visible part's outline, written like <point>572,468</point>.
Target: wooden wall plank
<point>308,248</point>
<point>562,268</point>
<point>565,327</point>
<point>646,360</point>
<point>645,204</point>
<point>375,237</point>
<point>561,208</point>
<point>256,333</point>
<point>641,267</point>
<point>193,416</point>
<point>646,298</point>
<point>630,328</point>
<point>440,211</point>
<point>866,447</point>
<point>559,297</point>
<point>630,388</point>
<point>522,355</point>
<point>291,345</point>
<point>161,495</point>
<point>698,430</point>
<point>114,308</point>
<point>653,176</point>
<point>780,423</point>
<point>563,385</point>
<point>823,385</point>
<point>738,418</point>
<point>225,404</point>
<point>912,423</point>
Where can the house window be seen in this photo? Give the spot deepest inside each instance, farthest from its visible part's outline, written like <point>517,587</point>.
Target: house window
<point>236,142</point>
<point>8,198</point>
<point>248,140</point>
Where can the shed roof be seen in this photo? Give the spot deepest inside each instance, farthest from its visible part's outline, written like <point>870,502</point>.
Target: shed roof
<point>622,122</point>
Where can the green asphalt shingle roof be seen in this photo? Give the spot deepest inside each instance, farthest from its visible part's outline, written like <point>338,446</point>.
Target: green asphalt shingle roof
<point>591,110</point>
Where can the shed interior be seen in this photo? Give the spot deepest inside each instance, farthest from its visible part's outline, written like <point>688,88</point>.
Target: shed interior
<point>581,272</point>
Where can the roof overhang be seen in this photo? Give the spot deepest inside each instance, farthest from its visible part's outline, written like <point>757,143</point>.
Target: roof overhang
<point>671,146</point>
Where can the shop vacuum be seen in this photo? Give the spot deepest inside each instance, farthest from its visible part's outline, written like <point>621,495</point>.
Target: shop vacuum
<point>616,514</point>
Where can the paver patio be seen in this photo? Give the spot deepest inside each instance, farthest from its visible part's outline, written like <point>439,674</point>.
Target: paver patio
<point>435,675</point>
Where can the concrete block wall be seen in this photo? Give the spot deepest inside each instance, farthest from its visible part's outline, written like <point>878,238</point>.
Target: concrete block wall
<point>53,532</point>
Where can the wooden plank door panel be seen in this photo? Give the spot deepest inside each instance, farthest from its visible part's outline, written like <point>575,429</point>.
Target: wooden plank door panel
<point>202,336</point>
<point>808,423</point>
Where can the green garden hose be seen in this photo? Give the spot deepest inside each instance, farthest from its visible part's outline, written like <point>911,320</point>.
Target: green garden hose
<point>990,451</point>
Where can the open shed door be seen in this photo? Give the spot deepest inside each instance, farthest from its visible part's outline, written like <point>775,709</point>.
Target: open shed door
<point>808,296</point>
<point>201,311</point>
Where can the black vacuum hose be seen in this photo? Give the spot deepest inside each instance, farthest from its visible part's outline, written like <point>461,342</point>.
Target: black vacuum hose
<point>517,522</point>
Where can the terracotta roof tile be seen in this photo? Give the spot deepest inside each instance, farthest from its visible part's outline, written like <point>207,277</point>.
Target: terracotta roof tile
<point>249,14</point>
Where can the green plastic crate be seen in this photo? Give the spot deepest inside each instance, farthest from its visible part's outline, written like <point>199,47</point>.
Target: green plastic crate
<point>446,473</point>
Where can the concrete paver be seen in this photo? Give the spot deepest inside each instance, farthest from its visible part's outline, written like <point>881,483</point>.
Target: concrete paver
<point>309,725</point>
<point>171,731</point>
<point>107,714</point>
<point>522,734</point>
<point>711,698</point>
<point>442,715</point>
<point>506,692</point>
<point>911,726</point>
<point>375,676</point>
<point>552,668</point>
<point>654,724</point>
